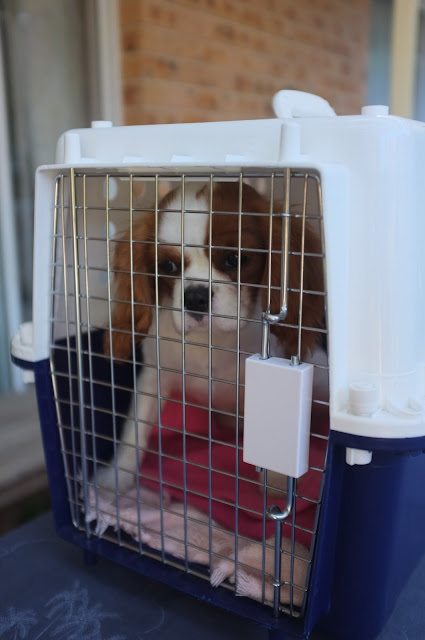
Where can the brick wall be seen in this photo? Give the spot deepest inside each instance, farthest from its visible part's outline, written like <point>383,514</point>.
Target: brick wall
<point>199,60</point>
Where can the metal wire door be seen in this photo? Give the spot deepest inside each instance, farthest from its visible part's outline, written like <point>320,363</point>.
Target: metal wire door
<point>96,392</point>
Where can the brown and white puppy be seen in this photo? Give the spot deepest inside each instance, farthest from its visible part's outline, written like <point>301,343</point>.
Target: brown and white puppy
<point>201,305</point>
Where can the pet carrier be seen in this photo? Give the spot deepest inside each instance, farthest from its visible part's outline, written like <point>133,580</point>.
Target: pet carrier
<point>228,357</point>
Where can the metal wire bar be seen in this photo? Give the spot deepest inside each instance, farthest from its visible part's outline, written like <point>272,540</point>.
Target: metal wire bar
<point>114,422</point>
<point>264,534</point>
<point>248,214</point>
<point>189,279</point>
<point>291,575</point>
<point>284,276</point>
<point>133,351</point>
<point>89,345</point>
<point>295,360</point>
<point>158,377</point>
<point>55,238</point>
<point>265,338</point>
<point>316,179</point>
<point>210,374</point>
<point>188,245</point>
<point>183,335</point>
<point>238,339</point>
<point>301,296</point>
<point>68,342</point>
<point>78,342</point>
<point>274,513</point>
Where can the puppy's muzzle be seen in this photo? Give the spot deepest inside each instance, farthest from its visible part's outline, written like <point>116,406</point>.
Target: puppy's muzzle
<point>196,301</point>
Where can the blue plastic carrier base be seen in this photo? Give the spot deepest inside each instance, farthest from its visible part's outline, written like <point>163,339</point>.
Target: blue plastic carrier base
<point>370,534</point>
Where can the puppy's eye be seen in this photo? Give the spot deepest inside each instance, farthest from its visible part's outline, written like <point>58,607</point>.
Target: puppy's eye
<point>168,266</point>
<point>232,260</point>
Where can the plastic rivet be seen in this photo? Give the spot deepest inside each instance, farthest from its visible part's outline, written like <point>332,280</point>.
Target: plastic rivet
<point>363,399</point>
<point>101,124</point>
<point>376,110</point>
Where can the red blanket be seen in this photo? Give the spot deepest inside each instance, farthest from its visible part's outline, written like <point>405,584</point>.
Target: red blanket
<point>225,461</point>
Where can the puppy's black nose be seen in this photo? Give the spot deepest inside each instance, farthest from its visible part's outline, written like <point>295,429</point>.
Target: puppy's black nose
<point>196,298</point>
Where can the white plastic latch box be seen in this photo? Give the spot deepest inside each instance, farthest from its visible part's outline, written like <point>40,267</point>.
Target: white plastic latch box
<point>278,396</point>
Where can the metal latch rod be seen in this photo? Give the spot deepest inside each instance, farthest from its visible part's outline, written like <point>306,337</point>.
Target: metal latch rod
<point>274,513</point>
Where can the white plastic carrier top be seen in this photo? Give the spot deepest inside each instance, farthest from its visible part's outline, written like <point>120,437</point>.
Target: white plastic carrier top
<point>371,174</point>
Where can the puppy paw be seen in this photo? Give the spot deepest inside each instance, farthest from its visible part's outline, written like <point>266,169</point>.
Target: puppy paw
<point>250,585</point>
<point>224,569</point>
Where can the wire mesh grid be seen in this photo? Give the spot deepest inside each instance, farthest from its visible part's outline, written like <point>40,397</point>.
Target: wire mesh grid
<point>194,254</point>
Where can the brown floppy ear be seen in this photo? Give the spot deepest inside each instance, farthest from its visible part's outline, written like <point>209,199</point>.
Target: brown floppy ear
<point>123,311</point>
<point>311,313</point>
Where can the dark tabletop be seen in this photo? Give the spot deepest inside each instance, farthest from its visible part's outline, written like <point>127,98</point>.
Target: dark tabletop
<point>47,591</point>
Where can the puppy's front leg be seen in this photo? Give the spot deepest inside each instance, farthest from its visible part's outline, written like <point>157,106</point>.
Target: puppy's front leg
<point>127,456</point>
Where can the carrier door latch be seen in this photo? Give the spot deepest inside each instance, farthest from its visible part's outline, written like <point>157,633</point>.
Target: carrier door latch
<point>278,395</point>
